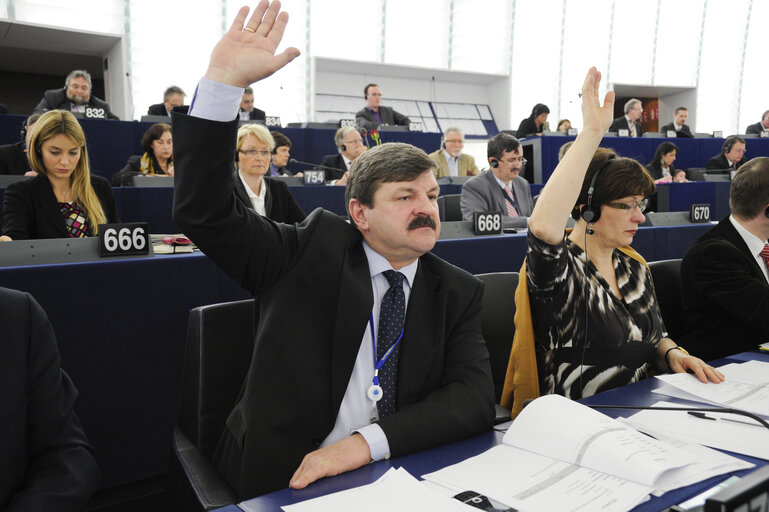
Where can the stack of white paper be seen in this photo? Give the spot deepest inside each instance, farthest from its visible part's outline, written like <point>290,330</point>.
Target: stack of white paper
<point>746,387</point>
<point>396,490</point>
<point>559,455</point>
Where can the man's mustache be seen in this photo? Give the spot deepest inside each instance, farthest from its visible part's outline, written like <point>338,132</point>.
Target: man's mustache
<point>422,222</point>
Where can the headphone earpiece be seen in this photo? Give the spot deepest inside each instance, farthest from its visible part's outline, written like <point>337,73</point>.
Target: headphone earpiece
<point>494,163</point>
<point>343,147</point>
<point>443,145</point>
<point>766,212</point>
<point>24,130</point>
<point>591,213</point>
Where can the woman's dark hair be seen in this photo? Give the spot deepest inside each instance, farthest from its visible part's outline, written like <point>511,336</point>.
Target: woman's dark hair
<point>663,149</point>
<point>619,177</point>
<point>539,109</point>
<point>154,133</point>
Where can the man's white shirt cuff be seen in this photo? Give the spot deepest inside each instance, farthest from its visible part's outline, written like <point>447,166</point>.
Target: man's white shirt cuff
<point>377,441</point>
<point>216,101</point>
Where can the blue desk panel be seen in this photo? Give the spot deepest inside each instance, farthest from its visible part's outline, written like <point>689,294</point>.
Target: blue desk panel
<point>121,328</point>
<point>427,461</point>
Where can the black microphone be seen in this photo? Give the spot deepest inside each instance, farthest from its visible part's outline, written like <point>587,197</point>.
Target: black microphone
<point>727,410</point>
<point>589,230</point>
<point>317,166</point>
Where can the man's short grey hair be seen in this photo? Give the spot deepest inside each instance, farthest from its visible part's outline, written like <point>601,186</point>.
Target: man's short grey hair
<point>174,89</point>
<point>79,73</point>
<point>453,129</point>
<point>248,90</point>
<point>341,133</point>
<point>629,104</point>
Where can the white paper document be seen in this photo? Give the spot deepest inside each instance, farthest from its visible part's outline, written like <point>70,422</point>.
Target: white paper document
<point>746,387</point>
<point>726,431</point>
<point>561,455</point>
<point>396,490</point>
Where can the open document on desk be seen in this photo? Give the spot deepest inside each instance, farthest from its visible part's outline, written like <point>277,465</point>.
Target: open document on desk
<point>746,387</point>
<point>559,455</point>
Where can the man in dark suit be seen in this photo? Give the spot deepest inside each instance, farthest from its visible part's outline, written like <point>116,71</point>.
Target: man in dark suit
<point>247,110</point>
<point>486,192</point>
<point>629,122</point>
<point>76,97</point>
<point>374,114</point>
<point>310,400</point>
<point>732,154</point>
<point>724,278</point>
<point>759,127</point>
<point>679,124</point>
<point>46,462</point>
<point>349,143</point>
<point>173,97</point>
<point>13,157</point>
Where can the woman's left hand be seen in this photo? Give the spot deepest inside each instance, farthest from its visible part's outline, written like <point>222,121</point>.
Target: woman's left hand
<point>170,170</point>
<point>681,362</point>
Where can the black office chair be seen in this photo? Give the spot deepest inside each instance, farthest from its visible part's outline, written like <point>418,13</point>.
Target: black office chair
<point>695,174</point>
<point>498,326</point>
<point>667,285</point>
<point>220,340</point>
<point>448,208</point>
<point>718,176</point>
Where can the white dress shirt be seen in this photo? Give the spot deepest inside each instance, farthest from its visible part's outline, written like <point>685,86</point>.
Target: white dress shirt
<point>755,245</point>
<point>257,200</point>
<point>452,162</point>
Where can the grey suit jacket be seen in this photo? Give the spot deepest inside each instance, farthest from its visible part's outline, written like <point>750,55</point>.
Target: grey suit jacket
<point>482,193</point>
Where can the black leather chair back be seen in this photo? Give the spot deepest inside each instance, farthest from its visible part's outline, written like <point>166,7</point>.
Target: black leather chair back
<point>448,208</point>
<point>497,322</point>
<point>220,341</point>
<point>667,285</point>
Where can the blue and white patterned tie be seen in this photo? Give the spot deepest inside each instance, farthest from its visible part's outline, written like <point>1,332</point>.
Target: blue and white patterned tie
<point>392,314</point>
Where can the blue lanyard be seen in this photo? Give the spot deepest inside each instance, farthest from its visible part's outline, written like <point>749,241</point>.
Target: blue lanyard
<point>378,364</point>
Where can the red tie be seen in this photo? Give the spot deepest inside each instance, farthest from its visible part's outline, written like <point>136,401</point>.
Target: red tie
<point>765,253</point>
<point>511,212</point>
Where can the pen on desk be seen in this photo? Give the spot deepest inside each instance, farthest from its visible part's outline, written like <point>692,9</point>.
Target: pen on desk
<point>704,416</point>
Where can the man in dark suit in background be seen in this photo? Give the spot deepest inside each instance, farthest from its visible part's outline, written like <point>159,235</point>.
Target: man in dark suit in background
<point>76,97</point>
<point>373,114</point>
<point>629,122</point>
<point>724,275</point>
<point>13,157</point>
<point>350,145</point>
<point>311,405</point>
<point>732,154</point>
<point>486,192</point>
<point>761,126</point>
<point>173,97</point>
<point>46,462</point>
<point>679,124</point>
<point>247,110</point>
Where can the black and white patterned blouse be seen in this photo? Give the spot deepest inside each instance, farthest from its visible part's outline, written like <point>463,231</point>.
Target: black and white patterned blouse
<point>587,339</point>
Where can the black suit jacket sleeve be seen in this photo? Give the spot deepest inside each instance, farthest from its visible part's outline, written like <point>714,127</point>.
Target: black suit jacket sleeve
<point>725,295</point>
<point>336,162</point>
<point>755,129</point>
<point>130,169</point>
<point>158,109</point>
<point>621,124</point>
<point>684,132</point>
<point>46,462</point>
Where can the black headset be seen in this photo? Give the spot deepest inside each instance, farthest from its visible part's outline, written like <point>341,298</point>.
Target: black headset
<point>343,147</point>
<point>591,213</point>
<point>494,163</point>
<point>766,212</point>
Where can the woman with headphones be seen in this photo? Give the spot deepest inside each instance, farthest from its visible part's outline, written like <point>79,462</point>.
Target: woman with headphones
<point>596,322</point>
<point>64,199</point>
<point>535,123</point>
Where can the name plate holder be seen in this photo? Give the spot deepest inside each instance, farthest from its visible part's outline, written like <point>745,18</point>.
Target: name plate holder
<point>671,134</point>
<point>52,251</point>
<point>572,131</point>
<point>124,239</point>
<point>718,134</point>
<point>623,132</point>
<point>272,121</point>
<point>699,213</point>
<point>314,177</point>
<point>487,223</point>
<point>346,122</point>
